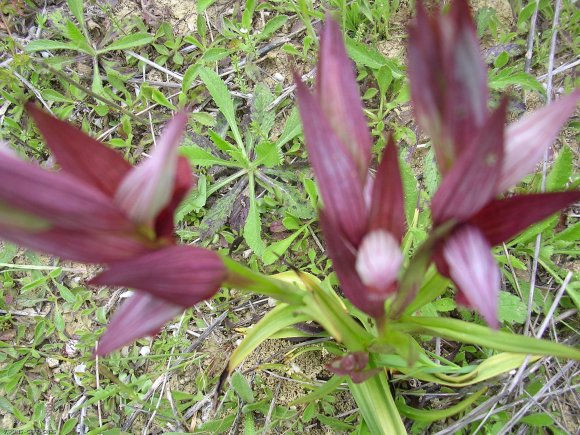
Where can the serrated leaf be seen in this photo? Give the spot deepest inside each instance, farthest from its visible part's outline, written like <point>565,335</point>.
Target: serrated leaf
<point>242,387</point>
<point>259,114</point>
<point>200,157</point>
<point>507,77</point>
<point>195,200</point>
<point>73,33</point>
<point>272,25</point>
<point>363,54</point>
<point>190,76</point>
<point>47,44</point>
<point>511,309</point>
<point>159,98</point>
<point>561,171</point>
<point>268,154</point>
<point>221,95</point>
<point>277,249</point>
<point>129,41</point>
<point>217,215</point>
<point>444,305</point>
<point>76,7</point>
<point>253,229</point>
<point>292,128</point>
<point>215,54</point>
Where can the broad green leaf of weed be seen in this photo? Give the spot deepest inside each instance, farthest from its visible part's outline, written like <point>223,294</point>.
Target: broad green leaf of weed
<point>363,54</point>
<point>511,309</point>
<point>248,13</point>
<point>76,7</point>
<point>277,249</point>
<point>561,171</point>
<point>189,77</point>
<point>47,44</point>
<point>221,95</point>
<point>215,54</point>
<point>444,305</point>
<point>410,189</point>
<point>253,229</point>
<point>200,157</point>
<point>195,200</point>
<point>129,41</point>
<point>159,98</point>
<point>294,202</point>
<point>242,387</point>
<point>292,128</point>
<point>272,26</point>
<point>539,419</point>
<point>77,37</point>
<point>431,173</point>
<point>268,154</point>
<point>508,76</point>
<point>260,115</point>
<point>8,252</point>
<point>218,214</point>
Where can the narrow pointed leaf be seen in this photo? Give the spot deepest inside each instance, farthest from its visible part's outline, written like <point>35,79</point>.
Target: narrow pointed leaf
<point>334,168</point>
<point>140,316</point>
<point>473,180</point>
<point>528,139</point>
<point>182,275</point>
<point>387,209</point>
<point>473,269</point>
<point>79,154</point>
<point>339,97</point>
<point>148,188</point>
<point>448,79</point>
<point>503,219</point>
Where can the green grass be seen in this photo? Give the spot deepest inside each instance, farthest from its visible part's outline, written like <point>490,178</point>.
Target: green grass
<point>119,76</point>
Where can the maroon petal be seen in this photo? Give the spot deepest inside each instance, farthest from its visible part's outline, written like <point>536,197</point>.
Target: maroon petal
<point>184,181</point>
<point>140,316</point>
<point>343,259</point>
<point>182,275</point>
<point>77,245</point>
<point>387,210</point>
<point>149,187</point>
<point>59,198</point>
<point>528,139</point>
<point>339,97</point>
<point>502,219</point>
<point>334,168</point>
<point>79,154</point>
<point>472,181</point>
<point>474,270</point>
<point>448,79</point>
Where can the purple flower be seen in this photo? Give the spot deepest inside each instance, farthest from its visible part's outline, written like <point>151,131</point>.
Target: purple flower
<point>100,209</point>
<point>362,219</point>
<point>479,157</point>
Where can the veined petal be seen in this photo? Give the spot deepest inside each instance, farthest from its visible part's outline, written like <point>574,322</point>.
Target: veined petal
<point>343,259</point>
<point>182,275</point>
<point>528,139</point>
<point>57,197</point>
<point>378,261</point>
<point>503,219</point>
<point>474,270</point>
<point>148,188</point>
<point>473,180</point>
<point>79,154</point>
<point>334,168</point>
<point>448,79</point>
<point>140,316</point>
<point>387,210</point>
<point>184,181</point>
<point>339,97</point>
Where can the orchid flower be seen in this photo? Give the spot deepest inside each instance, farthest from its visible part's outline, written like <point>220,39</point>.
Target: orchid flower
<point>100,209</point>
<point>362,219</point>
<point>479,157</point>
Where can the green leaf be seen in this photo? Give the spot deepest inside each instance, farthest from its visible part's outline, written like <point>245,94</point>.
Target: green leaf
<point>242,387</point>
<point>280,317</point>
<point>73,33</point>
<point>76,7</point>
<point>253,226</point>
<point>217,215</point>
<point>539,419</point>
<point>47,44</point>
<point>433,415</point>
<point>190,76</point>
<point>364,55</point>
<point>221,95</point>
<point>561,171</point>
<point>321,392</point>
<point>214,54</point>
<point>260,114</point>
<point>268,154</point>
<point>508,77</point>
<point>202,5</point>
<point>272,26</point>
<point>292,128</point>
<point>410,189</point>
<point>454,329</point>
<point>431,174</point>
<point>444,305</point>
<point>277,249</point>
<point>195,200</point>
<point>129,41</point>
<point>377,406</point>
<point>159,98</point>
<point>511,309</point>
<point>200,157</point>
